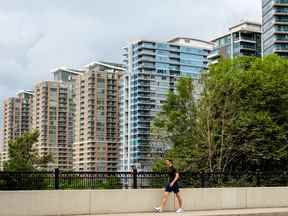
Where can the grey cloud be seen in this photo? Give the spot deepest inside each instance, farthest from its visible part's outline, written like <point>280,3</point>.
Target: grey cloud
<point>38,36</point>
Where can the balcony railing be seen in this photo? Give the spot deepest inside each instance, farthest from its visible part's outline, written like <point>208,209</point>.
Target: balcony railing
<point>281,11</point>
<point>280,2</point>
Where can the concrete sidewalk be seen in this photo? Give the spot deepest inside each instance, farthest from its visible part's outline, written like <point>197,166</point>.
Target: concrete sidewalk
<point>234,212</point>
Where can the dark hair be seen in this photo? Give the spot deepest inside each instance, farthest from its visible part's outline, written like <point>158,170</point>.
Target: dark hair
<point>170,160</point>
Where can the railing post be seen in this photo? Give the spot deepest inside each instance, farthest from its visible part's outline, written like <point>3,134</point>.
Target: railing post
<point>135,178</point>
<point>258,182</point>
<point>285,180</point>
<point>202,175</point>
<point>56,175</point>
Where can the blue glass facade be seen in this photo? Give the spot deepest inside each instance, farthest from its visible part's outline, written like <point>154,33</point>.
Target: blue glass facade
<point>153,69</point>
<point>275,30</point>
<point>242,40</point>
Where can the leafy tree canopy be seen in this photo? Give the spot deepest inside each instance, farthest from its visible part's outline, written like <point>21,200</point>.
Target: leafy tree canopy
<point>238,124</point>
<point>22,155</point>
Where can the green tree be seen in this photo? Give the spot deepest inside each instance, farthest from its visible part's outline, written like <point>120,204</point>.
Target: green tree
<point>175,126</point>
<point>22,156</point>
<point>23,161</point>
<point>243,114</point>
<point>217,111</point>
<point>238,124</point>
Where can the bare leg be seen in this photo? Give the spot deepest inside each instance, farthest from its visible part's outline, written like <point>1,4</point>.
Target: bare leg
<point>164,200</point>
<point>180,201</point>
<point>176,206</point>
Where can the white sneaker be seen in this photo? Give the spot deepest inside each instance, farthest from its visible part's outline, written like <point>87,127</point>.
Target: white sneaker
<point>180,210</point>
<point>158,209</point>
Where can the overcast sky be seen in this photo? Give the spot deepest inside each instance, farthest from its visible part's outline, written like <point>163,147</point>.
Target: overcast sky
<point>39,35</point>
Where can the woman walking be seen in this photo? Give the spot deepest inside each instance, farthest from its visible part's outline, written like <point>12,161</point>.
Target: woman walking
<point>172,186</point>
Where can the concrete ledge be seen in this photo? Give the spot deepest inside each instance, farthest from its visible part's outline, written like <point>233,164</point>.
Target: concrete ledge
<point>81,202</point>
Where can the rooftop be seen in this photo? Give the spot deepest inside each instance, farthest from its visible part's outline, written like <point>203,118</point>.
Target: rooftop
<point>186,41</point>
<point>242,26</point>
<point>115,66</point>
<point>25,91</point>
<point>181,41</point>
<point>245,24</point>
<point>71,70</point>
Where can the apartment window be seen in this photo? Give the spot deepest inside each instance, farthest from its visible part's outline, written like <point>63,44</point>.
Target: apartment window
<point>282,46</point>
<point>187,69</point>
<point>225,41</point>
<point>148,44</point>
<point>162,65</point>
<point>162,46</point>
<point>187,41</point>
<point>162,58</point>
<point>162,52</point>
<point>282,28</point>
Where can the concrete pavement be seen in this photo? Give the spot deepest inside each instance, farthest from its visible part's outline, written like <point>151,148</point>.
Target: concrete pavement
<point>234,212</point>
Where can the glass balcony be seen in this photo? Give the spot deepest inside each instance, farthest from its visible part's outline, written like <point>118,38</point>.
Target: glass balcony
<point>146,58</point>
<point>174,62</point>
<point>174,48</point>
<point>247,47</point>
<point>146,52</point>
<point>174,55</point>
<point>281,38</point>
<point>162,46</point>
<point>147,45</point>
<point>281,48</point>
<point>247,39</point>
<point>281,2</point>
<point>175,68</point>
<point>281,11</point>
<point>146,65</point>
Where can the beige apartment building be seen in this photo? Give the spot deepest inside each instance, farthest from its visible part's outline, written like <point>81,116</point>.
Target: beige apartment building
<point>1,148</point>
<point>77,112</point>
<point>69,77</point>
<point>97,133</point>
<point>17,119</point>
<point>51,117</point>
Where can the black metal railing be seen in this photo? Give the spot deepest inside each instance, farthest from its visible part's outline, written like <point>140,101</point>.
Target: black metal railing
<point>126,180</point>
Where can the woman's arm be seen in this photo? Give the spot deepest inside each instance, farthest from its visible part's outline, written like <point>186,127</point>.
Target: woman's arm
<point>175,179</point>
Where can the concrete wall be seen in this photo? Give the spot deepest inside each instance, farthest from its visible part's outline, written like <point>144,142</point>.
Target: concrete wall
<point>115,201</point>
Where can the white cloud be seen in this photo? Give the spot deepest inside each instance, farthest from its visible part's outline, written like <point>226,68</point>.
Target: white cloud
<point>37,36</point>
